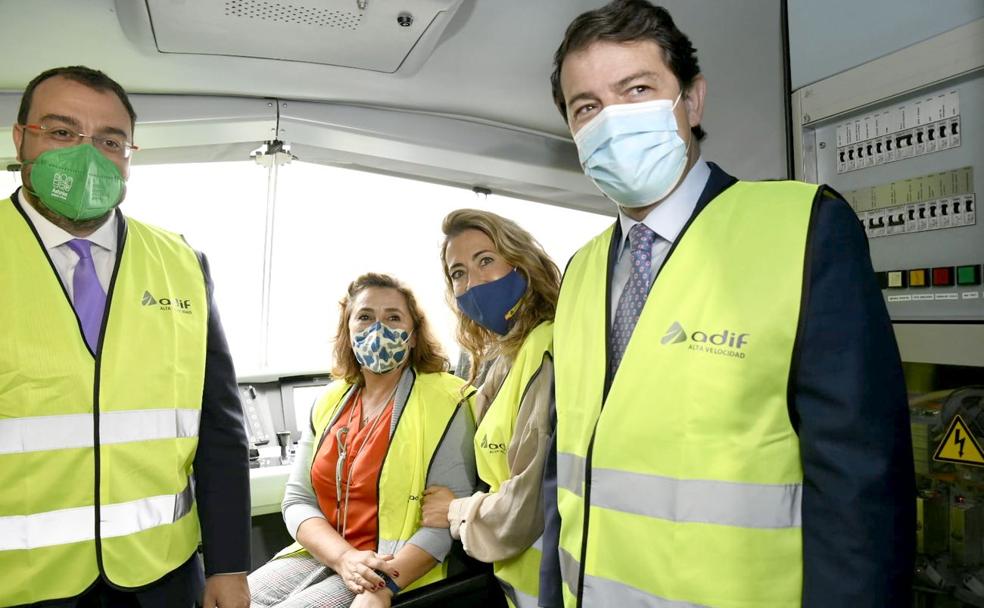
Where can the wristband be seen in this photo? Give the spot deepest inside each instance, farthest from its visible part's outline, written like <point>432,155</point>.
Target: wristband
<point>390,583</point>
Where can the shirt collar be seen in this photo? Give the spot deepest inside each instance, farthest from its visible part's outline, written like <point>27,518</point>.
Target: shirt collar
<point>52,236</point>
<point>668,218</point>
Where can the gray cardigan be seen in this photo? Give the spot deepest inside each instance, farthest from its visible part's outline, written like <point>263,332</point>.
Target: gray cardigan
<point>453,466</point>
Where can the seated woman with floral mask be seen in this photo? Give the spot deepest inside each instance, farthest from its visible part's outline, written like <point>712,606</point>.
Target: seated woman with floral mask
<point>391,423</point>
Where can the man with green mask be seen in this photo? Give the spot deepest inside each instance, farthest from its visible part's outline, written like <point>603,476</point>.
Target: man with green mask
<point>121,437</point>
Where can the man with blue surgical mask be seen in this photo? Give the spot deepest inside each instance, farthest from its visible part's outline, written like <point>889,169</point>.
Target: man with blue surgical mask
<point>732,427</point>
<point>122,446</point>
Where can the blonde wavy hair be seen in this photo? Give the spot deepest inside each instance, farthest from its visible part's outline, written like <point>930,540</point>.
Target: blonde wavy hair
<point>425,357</point>
<point>523,252</point>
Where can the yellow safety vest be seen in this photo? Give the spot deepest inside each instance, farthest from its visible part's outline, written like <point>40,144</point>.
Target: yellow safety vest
<point>519,575</point>
<point>683,485</point>
<point>128,418</point>
<point>433,401</point>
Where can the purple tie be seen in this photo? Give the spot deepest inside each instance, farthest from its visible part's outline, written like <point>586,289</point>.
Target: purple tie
<point>90,299</point>
<point>630,303</point>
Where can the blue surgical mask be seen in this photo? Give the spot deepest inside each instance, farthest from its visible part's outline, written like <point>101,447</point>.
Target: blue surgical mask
<point>380,348</point>
<point>633,152</point>
<point>493,305</point>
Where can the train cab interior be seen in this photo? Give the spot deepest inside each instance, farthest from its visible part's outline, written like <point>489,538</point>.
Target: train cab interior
<point>300,143</point>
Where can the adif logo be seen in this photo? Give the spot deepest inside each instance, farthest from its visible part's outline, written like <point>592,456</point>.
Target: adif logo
<point>674,334</point>
<point>728,343</point>
<point>61,185</point>
<point>493,448</point>
<point>175,304</point>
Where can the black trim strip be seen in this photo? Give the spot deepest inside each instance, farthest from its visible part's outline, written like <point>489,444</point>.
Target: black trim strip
<point>61,601</point>
<point>794,362</point>
<point>526,388</point>
<point>614,247</point>
<point>389,445</point>
<point>940,322</point>
<point>324,434</point>
<point>121,237</point>
<point>208,286</point>
<point>121,240</point>
<point>447,427</point>
<point>609,376</point>
<point>787,88</point>
<point>68,300</point>
<point>529,383</point>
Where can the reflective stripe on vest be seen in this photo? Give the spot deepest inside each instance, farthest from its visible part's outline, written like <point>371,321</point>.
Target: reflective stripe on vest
<point>518,575</point>
<point>605,592</point>
<point>43,433</point>
<point>518,598</point>
<point>570,569</point>
<point>570,472</point>
<point>127,419</point>
<point>686,500</point>
<point>748,505</point>
<point>424,410</point>
<point>75,525</point>
<point>694,448</point>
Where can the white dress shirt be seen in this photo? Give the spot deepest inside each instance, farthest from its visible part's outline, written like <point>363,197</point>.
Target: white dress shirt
<point>55,241</point>
<point>667,220</point>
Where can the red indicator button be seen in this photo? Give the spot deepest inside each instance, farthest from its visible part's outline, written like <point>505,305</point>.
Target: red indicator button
<point>943,276</point>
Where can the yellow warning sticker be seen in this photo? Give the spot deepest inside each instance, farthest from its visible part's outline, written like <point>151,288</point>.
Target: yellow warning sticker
<point>959,445</point>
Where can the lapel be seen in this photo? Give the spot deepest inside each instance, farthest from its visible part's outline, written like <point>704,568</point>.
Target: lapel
<point>717,182</point>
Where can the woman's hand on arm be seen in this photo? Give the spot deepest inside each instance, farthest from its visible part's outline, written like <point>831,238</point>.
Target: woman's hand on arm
<point>437,501</point>
<point>355,567</point>
<point>410,563</point>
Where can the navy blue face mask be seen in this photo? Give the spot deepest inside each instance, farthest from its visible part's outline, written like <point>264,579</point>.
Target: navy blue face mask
<point>492,305</point>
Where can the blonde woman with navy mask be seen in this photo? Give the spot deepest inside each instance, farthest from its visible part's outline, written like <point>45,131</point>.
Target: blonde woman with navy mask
<point>504,288</point>
<point>392,422</point>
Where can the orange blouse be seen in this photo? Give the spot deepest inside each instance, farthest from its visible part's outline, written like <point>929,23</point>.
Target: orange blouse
<point>366,448</point>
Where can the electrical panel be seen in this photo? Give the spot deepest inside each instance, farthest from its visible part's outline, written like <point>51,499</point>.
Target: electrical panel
<point>909,166</point>
<point>901,138</point>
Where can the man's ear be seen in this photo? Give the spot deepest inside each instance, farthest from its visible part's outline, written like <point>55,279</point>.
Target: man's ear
<point>694,99</point>
<point>18,132</point>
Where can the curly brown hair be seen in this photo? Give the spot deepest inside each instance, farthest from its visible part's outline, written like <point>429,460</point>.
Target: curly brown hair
<point>426,357</point>
<point>523,252</point>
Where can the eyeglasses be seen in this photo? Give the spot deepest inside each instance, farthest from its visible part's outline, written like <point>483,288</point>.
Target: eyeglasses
<point>62,135</point>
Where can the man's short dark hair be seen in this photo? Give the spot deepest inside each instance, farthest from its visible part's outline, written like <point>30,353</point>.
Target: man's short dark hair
<point>628,21</point>
<point>94,79</point>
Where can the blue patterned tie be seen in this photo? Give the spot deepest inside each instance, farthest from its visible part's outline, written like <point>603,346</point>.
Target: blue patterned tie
<point>633,298</point>
<point>88,295</point>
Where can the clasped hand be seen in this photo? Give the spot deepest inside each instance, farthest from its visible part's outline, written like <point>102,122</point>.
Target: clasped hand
<point>357,570</point>
<point>434,511</point>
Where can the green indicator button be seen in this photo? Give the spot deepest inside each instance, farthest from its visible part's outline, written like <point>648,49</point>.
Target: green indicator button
<point>969,275</point>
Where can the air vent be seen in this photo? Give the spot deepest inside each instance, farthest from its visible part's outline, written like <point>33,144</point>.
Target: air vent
<point>379,35</point>
<point>294,14</point>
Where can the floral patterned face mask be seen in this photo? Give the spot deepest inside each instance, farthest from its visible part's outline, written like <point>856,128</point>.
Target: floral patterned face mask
<point>380,348</point>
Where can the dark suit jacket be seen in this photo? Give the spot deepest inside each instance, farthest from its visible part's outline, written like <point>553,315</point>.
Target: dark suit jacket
<point>221,476</point>
<point>847,403</point>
